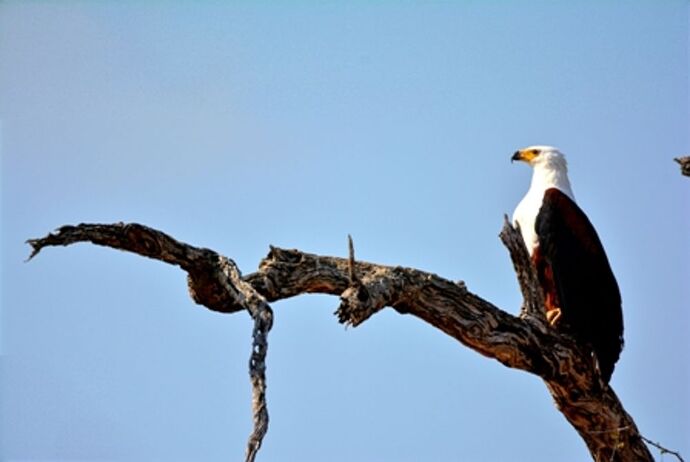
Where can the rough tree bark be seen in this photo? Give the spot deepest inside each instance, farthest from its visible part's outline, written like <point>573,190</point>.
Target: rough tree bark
<point>524,342</point>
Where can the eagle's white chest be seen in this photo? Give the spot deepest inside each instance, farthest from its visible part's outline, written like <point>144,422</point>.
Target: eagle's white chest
<point>545,176</point>
<point>526,215</point>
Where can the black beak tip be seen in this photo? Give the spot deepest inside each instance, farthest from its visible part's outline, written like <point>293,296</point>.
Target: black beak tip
<point>515,157</point>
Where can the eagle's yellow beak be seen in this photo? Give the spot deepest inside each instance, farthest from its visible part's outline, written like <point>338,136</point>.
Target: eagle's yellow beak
<point>525,155</point>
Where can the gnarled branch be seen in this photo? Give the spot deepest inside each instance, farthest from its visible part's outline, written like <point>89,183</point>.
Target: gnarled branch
<point>214,281</point>
<point>525,342</point>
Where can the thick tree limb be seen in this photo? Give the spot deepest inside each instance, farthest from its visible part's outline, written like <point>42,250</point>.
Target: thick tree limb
<point>684,164</point>
<point>524,342</point>
<point>214,281</point>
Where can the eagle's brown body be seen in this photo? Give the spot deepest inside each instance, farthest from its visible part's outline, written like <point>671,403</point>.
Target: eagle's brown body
<point>581,292</point>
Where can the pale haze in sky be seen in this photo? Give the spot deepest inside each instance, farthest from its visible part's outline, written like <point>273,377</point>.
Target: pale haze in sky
<point>235,126</point>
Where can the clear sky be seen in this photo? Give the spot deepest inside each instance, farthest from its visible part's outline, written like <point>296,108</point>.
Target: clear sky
<point>235,126</point>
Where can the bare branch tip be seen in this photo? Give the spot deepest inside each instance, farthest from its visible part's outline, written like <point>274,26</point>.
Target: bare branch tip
<point>38,243</point>
<point>684,162</point>
<point>271,252</point>
<point>508,225</point>
<point>35,248</point>
<point>662,449</point>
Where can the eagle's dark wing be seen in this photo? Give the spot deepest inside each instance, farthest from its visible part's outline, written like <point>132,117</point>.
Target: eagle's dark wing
<point>585,286</point>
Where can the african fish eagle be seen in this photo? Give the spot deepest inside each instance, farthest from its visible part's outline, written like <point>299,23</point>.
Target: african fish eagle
<point>581,292</point>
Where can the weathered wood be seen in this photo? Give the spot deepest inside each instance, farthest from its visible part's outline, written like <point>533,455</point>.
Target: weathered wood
<point>589,405</point>
<point>263,321</point>
<point>524,342</point>
<point>532,294</point>
<point>206,280</point>
<point>214,281</point>
<point>684,164</point>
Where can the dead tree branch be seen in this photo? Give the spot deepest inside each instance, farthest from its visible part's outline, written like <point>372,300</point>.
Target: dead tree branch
<point>525,342</point>
<point>214,281</point>
<point>663,450</point>
<point>263,321</point>
<point>684,165</point>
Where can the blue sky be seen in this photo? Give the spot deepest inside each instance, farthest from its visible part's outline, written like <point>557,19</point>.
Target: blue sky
<point>234,126</point>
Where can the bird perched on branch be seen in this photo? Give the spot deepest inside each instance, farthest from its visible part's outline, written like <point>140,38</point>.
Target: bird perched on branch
<point>581,292</point>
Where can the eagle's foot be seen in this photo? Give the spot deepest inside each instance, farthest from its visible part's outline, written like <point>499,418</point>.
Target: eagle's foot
<point>553,316</point>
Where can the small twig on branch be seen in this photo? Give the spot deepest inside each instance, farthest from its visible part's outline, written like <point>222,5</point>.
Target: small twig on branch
<point>354,279</point>
<point>662,450</point>
<point>684,164</point>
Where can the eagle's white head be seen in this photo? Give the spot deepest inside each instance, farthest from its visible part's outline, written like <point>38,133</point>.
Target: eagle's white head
<point>542,157</point>
<point>550,168</point>
<point>550,171</point>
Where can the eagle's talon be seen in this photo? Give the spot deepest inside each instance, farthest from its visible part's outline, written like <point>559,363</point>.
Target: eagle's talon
<point>553,316</point>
